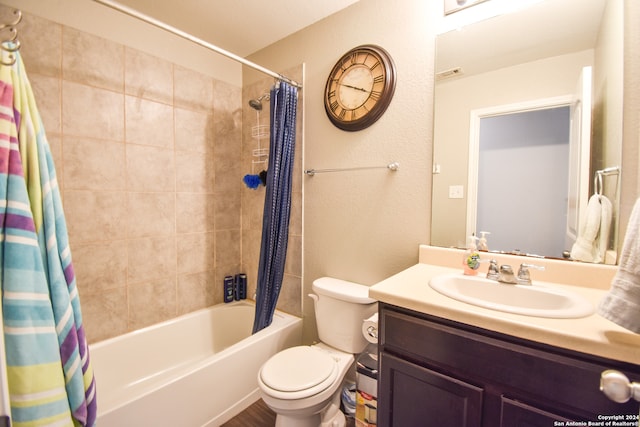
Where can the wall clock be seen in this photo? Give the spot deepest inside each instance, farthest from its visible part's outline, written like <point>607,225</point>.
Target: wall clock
<point>360,87</point>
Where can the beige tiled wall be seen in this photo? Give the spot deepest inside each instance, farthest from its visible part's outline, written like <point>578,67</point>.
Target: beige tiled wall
<point>148,158</point>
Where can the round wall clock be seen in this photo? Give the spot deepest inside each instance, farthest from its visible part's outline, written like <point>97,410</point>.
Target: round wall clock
<point>360,87</point>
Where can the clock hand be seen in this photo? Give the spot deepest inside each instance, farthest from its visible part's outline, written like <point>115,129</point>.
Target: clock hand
<point>353,87</point>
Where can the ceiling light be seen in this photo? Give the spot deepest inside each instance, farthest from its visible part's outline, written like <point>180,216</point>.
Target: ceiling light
<point>481,10</point>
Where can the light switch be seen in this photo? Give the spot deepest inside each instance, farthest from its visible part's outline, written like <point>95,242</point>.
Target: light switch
<point>456,191</point>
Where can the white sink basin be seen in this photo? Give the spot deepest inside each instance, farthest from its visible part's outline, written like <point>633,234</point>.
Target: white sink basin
<point>539,300</point>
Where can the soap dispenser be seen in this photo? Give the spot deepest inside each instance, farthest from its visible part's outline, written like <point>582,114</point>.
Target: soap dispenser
<point>471,259</point>
<point>482,243</point>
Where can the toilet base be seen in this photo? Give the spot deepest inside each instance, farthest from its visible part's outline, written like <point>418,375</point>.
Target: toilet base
<point>334,417</point>
<point>331,416</point>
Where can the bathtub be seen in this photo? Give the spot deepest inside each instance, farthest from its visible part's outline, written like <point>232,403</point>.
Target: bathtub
<point>197,370</point>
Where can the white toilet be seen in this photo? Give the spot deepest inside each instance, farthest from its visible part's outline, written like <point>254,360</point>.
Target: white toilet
<point>302,384</point>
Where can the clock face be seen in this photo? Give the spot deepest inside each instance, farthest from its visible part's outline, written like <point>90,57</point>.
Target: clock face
<point>359,87</point>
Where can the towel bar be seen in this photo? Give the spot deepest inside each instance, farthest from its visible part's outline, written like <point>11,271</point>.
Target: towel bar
<point>393,166</point>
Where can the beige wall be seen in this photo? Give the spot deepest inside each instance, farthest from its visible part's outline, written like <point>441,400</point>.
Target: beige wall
<point>364,226</point>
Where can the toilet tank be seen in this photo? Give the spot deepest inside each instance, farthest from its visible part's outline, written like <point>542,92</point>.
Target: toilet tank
<point>341,307</point>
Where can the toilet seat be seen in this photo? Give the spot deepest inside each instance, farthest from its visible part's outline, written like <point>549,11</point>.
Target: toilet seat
<point>299,372</point>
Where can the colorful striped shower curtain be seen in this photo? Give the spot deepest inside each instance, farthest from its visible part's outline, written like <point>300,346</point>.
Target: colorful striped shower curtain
<point>49,373</point>
<point>277,203</point>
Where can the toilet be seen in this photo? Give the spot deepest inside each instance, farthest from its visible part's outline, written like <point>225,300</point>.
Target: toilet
<point>302,384</point>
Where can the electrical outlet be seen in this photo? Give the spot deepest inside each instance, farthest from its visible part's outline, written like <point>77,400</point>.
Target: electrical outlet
<point>456,191</point>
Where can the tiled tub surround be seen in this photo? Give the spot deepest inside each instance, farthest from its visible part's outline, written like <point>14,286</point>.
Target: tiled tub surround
<point>149,161</point>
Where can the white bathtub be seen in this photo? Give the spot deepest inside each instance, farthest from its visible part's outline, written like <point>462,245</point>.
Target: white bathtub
<point>196,370</point>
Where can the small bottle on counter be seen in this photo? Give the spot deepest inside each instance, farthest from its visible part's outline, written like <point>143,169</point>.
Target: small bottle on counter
<point>471,257</point>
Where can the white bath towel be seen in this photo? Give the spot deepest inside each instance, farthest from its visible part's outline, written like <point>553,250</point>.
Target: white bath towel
<point>585,248</point>
<point>622,304</point>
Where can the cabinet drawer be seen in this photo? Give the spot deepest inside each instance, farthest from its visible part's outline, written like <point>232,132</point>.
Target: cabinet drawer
<point>523,370</point>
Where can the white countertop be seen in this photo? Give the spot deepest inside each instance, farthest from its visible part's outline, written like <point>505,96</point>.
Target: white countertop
<point>592,335</point>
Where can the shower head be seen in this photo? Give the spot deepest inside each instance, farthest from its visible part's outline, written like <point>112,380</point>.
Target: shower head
<point>256,104</point>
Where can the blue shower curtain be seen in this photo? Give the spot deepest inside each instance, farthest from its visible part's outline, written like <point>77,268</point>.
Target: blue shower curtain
<point>277,203</point>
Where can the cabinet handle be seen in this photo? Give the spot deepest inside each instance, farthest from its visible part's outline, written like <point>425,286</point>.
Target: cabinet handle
<point>617,387</point>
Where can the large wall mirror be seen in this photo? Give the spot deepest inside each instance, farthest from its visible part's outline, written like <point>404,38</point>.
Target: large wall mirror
<point>561,60</point>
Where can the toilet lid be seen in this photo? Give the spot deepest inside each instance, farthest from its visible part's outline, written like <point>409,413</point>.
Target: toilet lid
<point>299,368</point>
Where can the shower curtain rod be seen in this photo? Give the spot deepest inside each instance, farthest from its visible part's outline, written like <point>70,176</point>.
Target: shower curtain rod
<point>138,15</point>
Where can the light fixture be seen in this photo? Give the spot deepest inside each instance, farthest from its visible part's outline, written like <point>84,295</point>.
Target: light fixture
<point>465,14</point>
<point>451,6</point>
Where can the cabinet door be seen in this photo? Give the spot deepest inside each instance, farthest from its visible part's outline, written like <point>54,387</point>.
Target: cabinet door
<point>518,414</point>
<point>411,395</point>
<point>506,365</point>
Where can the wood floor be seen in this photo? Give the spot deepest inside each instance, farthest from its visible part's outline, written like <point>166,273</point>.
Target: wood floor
<point>256,415</point>
<point>259,415</point>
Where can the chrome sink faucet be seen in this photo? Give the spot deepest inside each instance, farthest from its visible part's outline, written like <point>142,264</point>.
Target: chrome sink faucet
<point>505,274</point>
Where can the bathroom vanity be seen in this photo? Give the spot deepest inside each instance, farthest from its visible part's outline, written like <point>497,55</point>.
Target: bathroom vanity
<point>448,363</point>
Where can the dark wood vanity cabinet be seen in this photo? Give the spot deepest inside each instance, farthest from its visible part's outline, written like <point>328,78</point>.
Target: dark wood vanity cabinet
<point>440,373</point>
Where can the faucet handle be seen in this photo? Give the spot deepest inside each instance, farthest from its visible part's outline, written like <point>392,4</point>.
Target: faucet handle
<point>524,277</point>
<point>493,273</point>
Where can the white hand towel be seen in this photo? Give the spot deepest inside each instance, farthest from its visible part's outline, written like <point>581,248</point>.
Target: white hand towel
<point>584,249</point>
<point>622,304</point>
